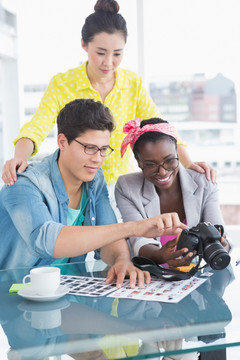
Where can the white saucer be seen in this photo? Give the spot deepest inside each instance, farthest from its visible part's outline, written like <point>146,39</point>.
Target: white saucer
<point>60,304</point>
<point>29,294</point>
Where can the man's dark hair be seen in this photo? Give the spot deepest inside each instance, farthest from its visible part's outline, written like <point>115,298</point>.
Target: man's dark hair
<point>81,115</point>
<point>151,136</point>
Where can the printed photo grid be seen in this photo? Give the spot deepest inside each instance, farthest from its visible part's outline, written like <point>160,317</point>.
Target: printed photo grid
<point>158,290</point>
<point>88,286</point>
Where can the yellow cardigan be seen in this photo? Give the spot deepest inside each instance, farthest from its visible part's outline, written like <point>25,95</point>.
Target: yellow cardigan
<point>127,100</point>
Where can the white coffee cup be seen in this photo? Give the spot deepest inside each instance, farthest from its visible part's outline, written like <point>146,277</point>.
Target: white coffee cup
<point>44,319</point>
<point>44,280</point>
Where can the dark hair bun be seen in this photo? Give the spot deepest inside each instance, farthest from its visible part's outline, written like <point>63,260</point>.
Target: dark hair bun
<point>107,5</point>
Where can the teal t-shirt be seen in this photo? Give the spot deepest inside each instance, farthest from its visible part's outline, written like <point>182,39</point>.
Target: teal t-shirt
<point>75,218</point>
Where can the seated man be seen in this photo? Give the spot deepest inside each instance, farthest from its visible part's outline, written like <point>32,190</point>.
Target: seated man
<point>42,214</point>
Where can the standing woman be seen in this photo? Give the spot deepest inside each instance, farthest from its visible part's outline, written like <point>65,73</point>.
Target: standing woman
<point>104,36</point>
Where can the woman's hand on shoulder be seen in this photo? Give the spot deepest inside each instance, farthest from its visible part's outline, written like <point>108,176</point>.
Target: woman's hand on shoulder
<point>10,169</point>
<point>203,167</point>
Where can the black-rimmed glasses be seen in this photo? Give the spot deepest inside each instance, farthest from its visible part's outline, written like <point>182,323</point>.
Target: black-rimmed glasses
<point>168,165</point>
<point>90,149</point>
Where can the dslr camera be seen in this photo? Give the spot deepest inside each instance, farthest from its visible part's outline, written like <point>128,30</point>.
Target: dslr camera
<point>205,240</point>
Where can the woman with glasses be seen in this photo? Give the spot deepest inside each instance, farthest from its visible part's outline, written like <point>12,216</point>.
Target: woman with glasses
<point>162,186</point>
<point>104,36</point>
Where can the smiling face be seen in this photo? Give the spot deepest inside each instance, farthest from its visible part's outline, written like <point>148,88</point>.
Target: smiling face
<point>105,53</point>
<point>151,155</point>
<point>74,164</point>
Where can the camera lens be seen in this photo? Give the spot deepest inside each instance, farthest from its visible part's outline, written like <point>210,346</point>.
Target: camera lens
<point>216,256</point>
<point>220,261</point>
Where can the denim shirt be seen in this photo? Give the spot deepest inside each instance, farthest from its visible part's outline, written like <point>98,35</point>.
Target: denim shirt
<point>34,210</point>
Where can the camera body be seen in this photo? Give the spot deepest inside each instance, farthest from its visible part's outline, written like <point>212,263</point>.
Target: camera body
<point>204,238</point>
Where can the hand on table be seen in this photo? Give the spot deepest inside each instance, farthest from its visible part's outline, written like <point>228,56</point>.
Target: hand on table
<point>123,268</point>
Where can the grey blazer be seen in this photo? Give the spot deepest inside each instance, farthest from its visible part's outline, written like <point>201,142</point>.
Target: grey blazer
<point>137,199</point>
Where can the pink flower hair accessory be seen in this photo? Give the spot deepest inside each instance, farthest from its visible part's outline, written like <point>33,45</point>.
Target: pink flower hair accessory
<point>134,131</point>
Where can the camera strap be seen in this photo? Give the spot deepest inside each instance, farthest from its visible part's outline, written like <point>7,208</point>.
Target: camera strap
<point>157,270</point>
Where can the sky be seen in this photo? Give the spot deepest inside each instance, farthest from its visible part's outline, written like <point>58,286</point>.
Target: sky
<point>193,36</point>
<point>181,37</point>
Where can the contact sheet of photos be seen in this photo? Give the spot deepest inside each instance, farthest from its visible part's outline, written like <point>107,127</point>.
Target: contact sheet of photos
<point>157,290</point>
<point>160,290</point>
<point>88,286</point>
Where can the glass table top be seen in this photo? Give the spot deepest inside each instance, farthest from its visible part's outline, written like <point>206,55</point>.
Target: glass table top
<point>106,328</point>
